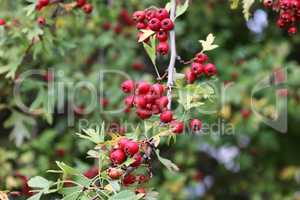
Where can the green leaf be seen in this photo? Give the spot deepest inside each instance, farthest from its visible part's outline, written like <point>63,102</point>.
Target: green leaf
<point>67,169</point>
<point>146,34</point>
<point>167,163</point>
<point>246,8</point>
<point>124,195</point>
<point>207,45</point>
<point>181,9</point>
<point>39,182</point>
<point>151,51</point>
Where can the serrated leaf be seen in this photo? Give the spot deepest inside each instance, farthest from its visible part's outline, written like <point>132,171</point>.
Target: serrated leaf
<point>167,163</point>
<point>234,4</point>
<point>181,9</point>
<point>39,182</point>
<point>207,45</point>
<point>124,195</point>
<point>246,8</point>
<point>146,33</point>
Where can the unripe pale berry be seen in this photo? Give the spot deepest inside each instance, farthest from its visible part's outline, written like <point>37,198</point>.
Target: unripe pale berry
<point>114,173</point>
<point>166,116</point>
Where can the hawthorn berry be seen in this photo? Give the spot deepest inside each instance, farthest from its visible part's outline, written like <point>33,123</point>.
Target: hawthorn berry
<point>162,102</point>
<point>162,48</point>
<point>129,179</point>
<point>114,173</point>
<point>210,69</point>
<point>162,14</point>
<point>292,30</point>
<point>162,36</point>
<point>150,14</point>
<point>196,125</point>
<point>2,22</point>
<point>87,8</point>
<point>143,113</point>
<point>140,191</point>
<point>122,142</point>
<point>138,158</point>
<point>143,88</point>
<point>268,3</point>
<point>245,113</point>
<point>137,66</point>
<point>131,147</point>
<point>138,16</point>
<point>157,90</point>
<point>104,102</point>
<point>190,76</point>
<point>80,3</point>
<point>140,102</point>
<point>141,25</point>
<point>280,23</point>
<point>43,3</point>
<point>166,116</point>
<point>127,86</point>
<point>197,68</point>
<point>154,24</point>
<point>201,58</point>
<point>167,24</point>
<point>117,156</point>
<point>91,173</point>
<point>129,101</point>
<point>41,21</point>
<point>177,127</point>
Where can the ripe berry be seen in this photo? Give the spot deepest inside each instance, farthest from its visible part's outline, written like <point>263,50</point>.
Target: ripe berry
<point>91,173</point>
<point>157,90</point>
<point>280,23</point>
<point>43,3</point>
<point>140,191</point>
<point>143,88</point>
<point>131,148</point>
<point>104,102</point>
<point>167,24</point>
<point>80,3</point>
<point>141,25</point>
<point>162,36</point>
<point>117,156</point>
<point>162,48</point>
<point>196,125</point>
<point>122,142</point>
<point>150,14</point>
<point>137,66</point>
<point>197,68</point>
<point>2,22</point>
<point>162,102</point>
<point>138,158</point>
<point>87,8</point>
<point>292,30</point>
<point>166,116</point>
<point>143,113</point>
<point>114,173</point>
<point>177,127</point>
<point>245,113</point>
<point>138,16</point>
<point>201,58</point>
<point>140,101</point>
<point>41,21</point>
<point>129,101</point>
<point>150,98</point>
<point>190,76</point>
<point>129,179</point>
<point>127,86</point>
<point>268,3</point>
<point>210,69</point>
<point>154,24</point>
<point>162,14</point>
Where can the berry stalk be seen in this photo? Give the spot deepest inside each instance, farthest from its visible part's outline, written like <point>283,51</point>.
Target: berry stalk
<point>173,55</point>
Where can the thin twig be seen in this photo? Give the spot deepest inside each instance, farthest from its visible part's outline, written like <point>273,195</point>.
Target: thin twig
<point>173,55</point>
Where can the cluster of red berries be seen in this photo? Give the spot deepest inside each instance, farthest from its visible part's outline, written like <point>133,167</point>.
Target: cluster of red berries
<point>200,67</point>
<point>289,13</point>
<point>157,20</point>
<point>126,149</point>
<point>86,7</point>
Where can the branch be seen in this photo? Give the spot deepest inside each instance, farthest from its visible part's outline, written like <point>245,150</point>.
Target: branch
<point>173,55</point>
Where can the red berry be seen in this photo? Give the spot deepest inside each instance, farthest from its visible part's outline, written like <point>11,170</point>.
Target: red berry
<point>162,48</point>
<point>201,58</point>
<point>268,3</point>
<point>43,3</point>
<point>138,158</point>
<point>197,68</point>
<point>114,173</point>
<point>2,22</point>
<point>157,90</point>
<point>190,76</point>
<point>245,113</point>
<point>127,86</point>
<point>150,98</point>
<point>140,191</point>
<point>87,8</point>
<point>141,25</point>
<point>129,101</point>
<point>129,179</point>
<point>143,113</point>
<point>138,16</point>
<point>91,173</point>
<point>80,3</point>
<point>196,125</point>
<point>167,24</point>
<point>140,101</point>
<point>122,142</point>
<point>280,23</point>
<point>166,116</point>
<point>155,109</point>
<point>162,102</point>
<point>154,24</point>
<point>137,66</point>
<point>117,156</point>
<point>41,21</point>
<point>150,14</point>
<point>143,88</point>
<point>38,7</point>
<point>162,36</point>
<point>118,28</point>
<point>292,30</point>
<point>162,14</point>
<point>210,69</point>
<point>106,26</point>
<point>131,148</point>
<point>177,127</point>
